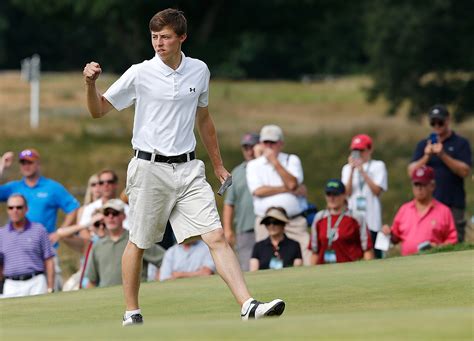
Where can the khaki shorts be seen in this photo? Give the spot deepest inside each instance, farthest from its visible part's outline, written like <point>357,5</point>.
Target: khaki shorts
<point>177,192</point>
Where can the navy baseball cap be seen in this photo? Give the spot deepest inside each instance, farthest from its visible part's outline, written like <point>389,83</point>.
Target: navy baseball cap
<point>335,186</point>
<point>249,139</point>
<point>438,112</point>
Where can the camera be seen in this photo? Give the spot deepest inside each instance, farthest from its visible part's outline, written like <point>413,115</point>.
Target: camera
<point>355,154</point>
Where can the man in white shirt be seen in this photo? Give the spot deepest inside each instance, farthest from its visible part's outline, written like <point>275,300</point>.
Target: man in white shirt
<point>275,180</point>
<point>164,180</point>
<point>365,180</point>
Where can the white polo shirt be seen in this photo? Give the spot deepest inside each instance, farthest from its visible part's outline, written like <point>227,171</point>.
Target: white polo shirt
<point>165,103</point>
<point>260,172</point>
<point>378,173</point>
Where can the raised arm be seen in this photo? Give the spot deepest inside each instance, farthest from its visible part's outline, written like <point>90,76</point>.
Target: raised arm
<point>97,105</point>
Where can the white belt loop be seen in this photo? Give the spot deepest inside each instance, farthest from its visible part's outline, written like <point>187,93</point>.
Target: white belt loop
<point>153,156</point>
<point>188,157</point>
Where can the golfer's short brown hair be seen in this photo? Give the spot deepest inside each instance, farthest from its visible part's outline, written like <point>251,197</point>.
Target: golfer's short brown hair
<point>169,17</point>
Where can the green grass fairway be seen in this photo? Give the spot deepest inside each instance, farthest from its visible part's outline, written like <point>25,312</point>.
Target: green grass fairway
<point>422,297</point>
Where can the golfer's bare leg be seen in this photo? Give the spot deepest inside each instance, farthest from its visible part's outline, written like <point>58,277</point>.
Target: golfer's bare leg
<point>226,264</point>
<point>131,273</point>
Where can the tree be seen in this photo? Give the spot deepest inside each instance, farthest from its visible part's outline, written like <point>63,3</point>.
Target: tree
<point>421,52</point>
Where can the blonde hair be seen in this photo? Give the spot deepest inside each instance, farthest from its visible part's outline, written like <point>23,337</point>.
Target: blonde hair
<point>88,196</point>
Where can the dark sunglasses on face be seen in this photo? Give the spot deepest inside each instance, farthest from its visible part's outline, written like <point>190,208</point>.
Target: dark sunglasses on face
<point>274,222</point>
<point>110,182</point>
<point>25,162</point>
<point>438,123</point>
<point>15,207</point>
<point>332,194</point>
<point>269,142</point>
<point>99,223</point>
<point>93,184</point>
<point>111,212</point>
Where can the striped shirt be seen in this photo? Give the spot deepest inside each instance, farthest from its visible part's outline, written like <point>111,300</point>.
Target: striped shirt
<point>24,251</point>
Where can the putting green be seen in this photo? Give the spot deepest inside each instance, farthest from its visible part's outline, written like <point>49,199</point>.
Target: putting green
<point>420,297</point>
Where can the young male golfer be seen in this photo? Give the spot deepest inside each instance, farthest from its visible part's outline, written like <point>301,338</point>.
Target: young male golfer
<point>164,179</point>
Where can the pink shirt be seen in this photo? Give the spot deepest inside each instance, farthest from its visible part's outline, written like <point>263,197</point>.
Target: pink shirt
<point>410,227</point>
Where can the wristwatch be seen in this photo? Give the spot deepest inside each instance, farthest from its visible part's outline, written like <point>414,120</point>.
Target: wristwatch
<point>50,290</point>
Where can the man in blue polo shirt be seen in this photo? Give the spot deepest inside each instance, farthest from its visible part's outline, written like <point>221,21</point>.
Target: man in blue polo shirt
<point>451,158</point>
<point>44,196</point>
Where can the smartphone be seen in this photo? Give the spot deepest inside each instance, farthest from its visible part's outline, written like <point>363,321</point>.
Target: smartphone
<point>355,154</point>
<point>433,138</point>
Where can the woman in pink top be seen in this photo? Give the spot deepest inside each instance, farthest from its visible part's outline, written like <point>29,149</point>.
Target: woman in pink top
<point>423,222</point>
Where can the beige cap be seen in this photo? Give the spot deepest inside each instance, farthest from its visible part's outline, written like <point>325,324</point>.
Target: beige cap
<point>271,133</point>
<point>277,213</point>
<point>115,204</point>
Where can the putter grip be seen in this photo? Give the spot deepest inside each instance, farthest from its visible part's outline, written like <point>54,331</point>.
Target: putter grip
<point>227,183</point>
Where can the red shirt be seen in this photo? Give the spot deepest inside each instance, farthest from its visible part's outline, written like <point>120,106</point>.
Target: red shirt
<point>410,227</point>
<point>350,242</point>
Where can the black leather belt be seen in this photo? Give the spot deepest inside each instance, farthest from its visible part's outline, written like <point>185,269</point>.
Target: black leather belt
<point>24,277</point>
<point>161,158</point>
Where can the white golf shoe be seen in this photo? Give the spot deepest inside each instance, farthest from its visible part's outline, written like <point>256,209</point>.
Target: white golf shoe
<point>135,319</point>
<point>256,309</point>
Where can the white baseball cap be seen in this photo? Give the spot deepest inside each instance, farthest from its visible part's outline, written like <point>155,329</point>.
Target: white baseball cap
<point>271,133</point>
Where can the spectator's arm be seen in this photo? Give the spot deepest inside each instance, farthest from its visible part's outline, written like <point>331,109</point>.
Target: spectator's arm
<point>374,188</point>
<point>49,266</point>
<point>6,161</point>
<point>266,191</point>
<point>290,181</point>
<point>204,271</point>
<point>368,254</point>
<point>298,262</point>
<point>314,258</point>
<point>228,217</point>
<point>458,167</point>
<point>254,264</point>
<point>70,218</point>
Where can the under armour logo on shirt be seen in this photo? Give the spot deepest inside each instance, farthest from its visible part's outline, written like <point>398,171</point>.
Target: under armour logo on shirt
<point>192,89</point>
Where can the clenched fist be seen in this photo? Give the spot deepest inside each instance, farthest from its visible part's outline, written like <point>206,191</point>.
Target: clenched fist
<point>91,72</point>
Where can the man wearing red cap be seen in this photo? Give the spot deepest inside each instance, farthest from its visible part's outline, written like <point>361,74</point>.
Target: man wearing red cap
<point>423,222</point>
<point>365,180</point>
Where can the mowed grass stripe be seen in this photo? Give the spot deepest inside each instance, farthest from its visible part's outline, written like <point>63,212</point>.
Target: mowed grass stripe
<point>419,297</point>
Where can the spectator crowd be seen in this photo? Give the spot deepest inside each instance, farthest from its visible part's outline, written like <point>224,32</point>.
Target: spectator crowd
<point>266,216</point>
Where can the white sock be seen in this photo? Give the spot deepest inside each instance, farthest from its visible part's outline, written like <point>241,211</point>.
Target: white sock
<point>129,313</point>
<point>246,304</point>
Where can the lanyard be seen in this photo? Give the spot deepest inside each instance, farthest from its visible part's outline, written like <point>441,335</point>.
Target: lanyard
<point>361,178</point>
<point>331,230</point>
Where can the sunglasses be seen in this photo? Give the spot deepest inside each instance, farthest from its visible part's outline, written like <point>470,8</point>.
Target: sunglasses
<point>274,222</point>
<point>111,212</point>
<point>110,182</point>
<point>438,123</point>
<point>93,184</point>
<point>25,162</point>
<point>99,223</point>
<point>269,142</point>
<point>419,184</point>
<point>16,207</point>
<point>332,194</point>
